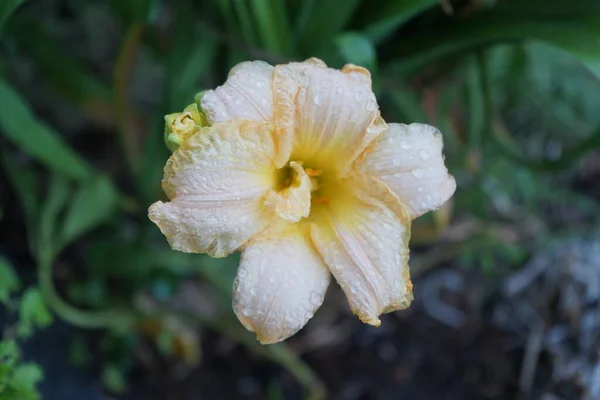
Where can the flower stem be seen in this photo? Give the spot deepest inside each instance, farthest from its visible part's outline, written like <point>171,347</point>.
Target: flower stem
<point>73,315</point>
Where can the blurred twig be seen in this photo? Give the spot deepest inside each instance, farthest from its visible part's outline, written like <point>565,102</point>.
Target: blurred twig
<point>122,79</point>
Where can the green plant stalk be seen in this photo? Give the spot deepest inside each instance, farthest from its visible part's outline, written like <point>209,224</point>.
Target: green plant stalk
<point>83,319</point>
<point>279,353</point>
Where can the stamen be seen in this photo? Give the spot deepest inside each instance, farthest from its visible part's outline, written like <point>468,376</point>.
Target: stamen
<point>322,200</point>
<point>313,172</point>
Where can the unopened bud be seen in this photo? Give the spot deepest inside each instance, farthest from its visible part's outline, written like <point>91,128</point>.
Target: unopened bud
<point>181,126</point>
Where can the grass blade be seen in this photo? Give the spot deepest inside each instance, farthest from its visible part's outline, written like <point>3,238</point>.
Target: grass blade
<point>19,125</point>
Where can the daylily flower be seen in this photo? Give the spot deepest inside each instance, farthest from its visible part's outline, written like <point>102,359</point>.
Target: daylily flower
<point>298,170</point>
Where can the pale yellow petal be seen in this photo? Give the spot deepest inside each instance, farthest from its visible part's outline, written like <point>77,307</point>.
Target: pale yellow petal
<point>247,94</point>
<point>293,202</point>
<point>363,238</point>
<point>409,160</point>
<point>217,181</point>
<point>280,284</point>
<point>323,114</point>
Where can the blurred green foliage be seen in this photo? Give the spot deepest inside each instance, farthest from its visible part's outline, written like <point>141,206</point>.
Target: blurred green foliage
<point>513,85</point>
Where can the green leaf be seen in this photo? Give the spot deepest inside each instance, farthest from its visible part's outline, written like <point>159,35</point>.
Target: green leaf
<point>6,8</point>
<point>33,313</point>
<point>92,204</point>
<point>24,379</point>
<point>8,280</point>
<point>25,184</point>
<point>407,104</point>
<point>17,381</point>
<point>19,125</point>
<point>132,11</point>
<point>357,49</point>
<point>578,36</point>
<point>327,18</point>
<point>273,25</point>
<point>113,379</point>
<point>61,69</point>
<point>245,21</point>
<point>393,15</point>
<point>187,82</point>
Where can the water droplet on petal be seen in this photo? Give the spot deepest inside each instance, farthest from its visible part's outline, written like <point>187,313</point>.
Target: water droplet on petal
<point>397,162</point>
<point>420,189</point>
<point>317,99</point>
<point>289,250</point>
<point>272,279</point>
<point>405,145</point>
<point>212,219</point>
<point>418,173</point>
<point>247,312</point>
<point>424,154</point>
<point>242,273</point>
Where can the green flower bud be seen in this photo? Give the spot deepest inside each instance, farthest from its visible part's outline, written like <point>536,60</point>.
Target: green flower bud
<point>181,126</point>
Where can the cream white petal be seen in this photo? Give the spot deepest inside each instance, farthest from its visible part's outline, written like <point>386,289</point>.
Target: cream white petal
<point>364,242</point>
<point>322,113</point>
<point>280,284</point>
<point>247,94</point>
<point>217,181</point>
<point>409,160</point>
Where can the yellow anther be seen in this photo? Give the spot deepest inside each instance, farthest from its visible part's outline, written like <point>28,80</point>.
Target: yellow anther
<point>313,172</point>
<point>322,200</point>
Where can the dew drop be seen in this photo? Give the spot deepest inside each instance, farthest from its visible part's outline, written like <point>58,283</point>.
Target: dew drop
<point>289,250</point>
<point>212,219</point>
<point>339,90</point>
<point>371,106</point>
<point>252,292</point>
<point>405,145</point>
<point>418,173</point>
<point>397,162</point>
<point>316,99</point>
<point>242,273</point>
<point>272,279</point>
<point>247,312</point>
<point>424,154</point>
<point>420,189</point>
